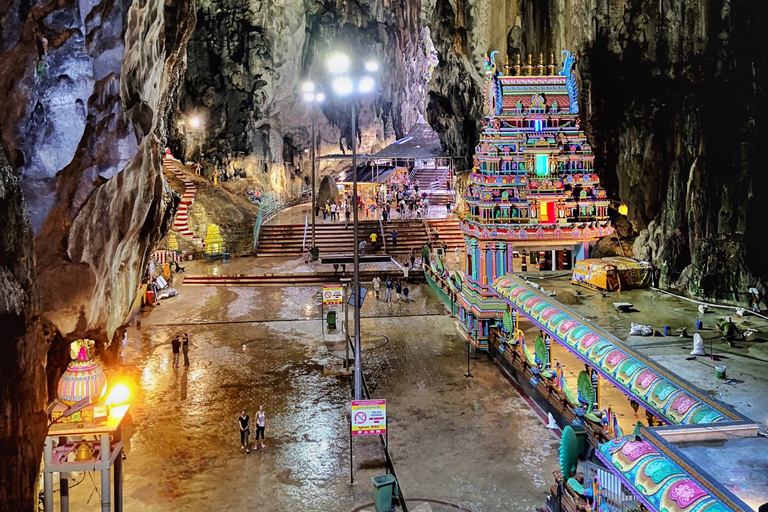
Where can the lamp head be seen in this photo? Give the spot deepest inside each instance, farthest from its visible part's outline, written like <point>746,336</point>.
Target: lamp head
<point>195,122</point>
<point>343,85</point>
<point>366,84</point>
<point>338,64</point>
<point>307,87</point>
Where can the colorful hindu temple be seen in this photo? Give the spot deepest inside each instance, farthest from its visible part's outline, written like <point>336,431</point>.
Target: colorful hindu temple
<point>533,195</point>
<point>533,202</point>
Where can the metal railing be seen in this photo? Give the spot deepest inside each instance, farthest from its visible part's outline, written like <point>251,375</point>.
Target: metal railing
<point>383,236</point>
<point>440,182</point>
<point>271,205</point>
<point>615,495</point>
<point>304,240</point>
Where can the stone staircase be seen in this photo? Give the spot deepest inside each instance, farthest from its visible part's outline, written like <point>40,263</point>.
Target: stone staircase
<point>187,198</point>
<point>433,180</point>
<point>334,238</point>
<point>448,231</point>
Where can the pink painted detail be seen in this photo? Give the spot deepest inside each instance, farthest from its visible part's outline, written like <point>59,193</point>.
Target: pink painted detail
<point>589,340</point>
<point>646,378</point>
<point>683,403</point>
<point>615,358</point>
<point>516,292</point>
<point>634,450</point>
<point>532,302</point>
<point>566,326</point>
<point>548,312</point>
<point>686,493</point>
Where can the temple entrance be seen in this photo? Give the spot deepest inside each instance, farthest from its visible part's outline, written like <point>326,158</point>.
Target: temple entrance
<point>547,212</point>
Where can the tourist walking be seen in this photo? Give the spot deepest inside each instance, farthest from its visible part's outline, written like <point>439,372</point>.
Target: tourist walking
<point>398,288</point>
<point>394,238</point>
<point>376,286</point>
<point>175,345</point>
<point>185,348</point>
<point>245,430</point>
<point>261,424</point>
<point>412,257</point>
<point>347,213</point>
<point>405,293</point>
<point>362,248</point>
<point>308,254</point>
<point>388,284</point>
<point>458,254</point>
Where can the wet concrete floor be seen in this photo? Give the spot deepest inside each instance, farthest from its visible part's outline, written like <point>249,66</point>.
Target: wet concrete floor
<point>473,442</point>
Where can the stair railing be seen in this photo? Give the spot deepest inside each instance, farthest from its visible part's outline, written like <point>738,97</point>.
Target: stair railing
<point>304,241</point>
<point>383,237</point>
<point>272,204</point>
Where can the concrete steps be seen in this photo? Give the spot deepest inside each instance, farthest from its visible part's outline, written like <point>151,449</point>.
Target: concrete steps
<point>335,238</point>
<point>448,231</point>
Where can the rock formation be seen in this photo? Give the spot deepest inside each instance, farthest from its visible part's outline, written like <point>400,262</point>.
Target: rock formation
<point>86,88</point>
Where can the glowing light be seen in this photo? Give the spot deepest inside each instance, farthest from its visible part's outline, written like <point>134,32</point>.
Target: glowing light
<point>319,97</point>
<point>366,84</point>
<point>338,64</point>
<point>308,87</point>
<point>195,122</point>
<point>371,66</point>
<point>309,97</point>
<point>343,85</point>
<point>119,394</point>
<point>623,209</point>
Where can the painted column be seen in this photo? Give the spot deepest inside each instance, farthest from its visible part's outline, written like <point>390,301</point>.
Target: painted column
<point>484,275</point>
<point>476,260</point>
<point>554,260</point>
<point>510,258</point>
<point>494,263</point>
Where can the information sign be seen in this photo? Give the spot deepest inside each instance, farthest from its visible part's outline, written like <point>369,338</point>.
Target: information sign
<point>332,295</point>
<point>369,417</point>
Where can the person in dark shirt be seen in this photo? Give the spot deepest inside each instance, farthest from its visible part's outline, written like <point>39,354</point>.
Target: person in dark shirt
<point>245,430</point>
<point>398,288</point>
<point>185,348</point>
<point>175,345</point>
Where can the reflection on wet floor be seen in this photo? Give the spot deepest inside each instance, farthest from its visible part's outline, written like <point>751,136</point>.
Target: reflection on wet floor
<point>474,442</point>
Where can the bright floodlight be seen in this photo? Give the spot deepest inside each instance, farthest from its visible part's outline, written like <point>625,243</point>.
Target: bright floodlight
<point>309,97</point>
<point>371,66</point>
<point>338,64</point>
<point>307,87</point>
<point>195,122</point>
<point>320,97</point>
<point>343,85</point>
<point>366,84</point>
<point>119,394</point>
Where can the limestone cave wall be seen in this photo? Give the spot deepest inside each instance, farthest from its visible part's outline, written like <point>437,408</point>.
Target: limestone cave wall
<point>246,65</point>
<point>85,90</point>
<point>673,100</point>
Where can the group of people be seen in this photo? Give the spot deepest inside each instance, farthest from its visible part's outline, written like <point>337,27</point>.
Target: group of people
<point>180,341</point>
<point>401,289</point>
<point>244,422</point>
<point>335,211</point>
<point>397,201</point>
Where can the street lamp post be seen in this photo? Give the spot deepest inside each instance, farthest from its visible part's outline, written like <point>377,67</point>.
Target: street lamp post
<point>312,97</point>
<point>349,82</point>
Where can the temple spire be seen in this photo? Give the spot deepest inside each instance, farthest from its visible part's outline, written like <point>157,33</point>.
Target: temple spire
<point>541,64</point>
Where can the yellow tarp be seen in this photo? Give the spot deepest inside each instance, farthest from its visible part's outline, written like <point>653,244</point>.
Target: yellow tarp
<point>612,274</point>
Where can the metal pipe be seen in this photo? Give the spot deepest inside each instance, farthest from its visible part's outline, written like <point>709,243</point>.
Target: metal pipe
<point>356,260</point>
<point>312,156</point>
<point>64,492</point>
<point>106,505</point>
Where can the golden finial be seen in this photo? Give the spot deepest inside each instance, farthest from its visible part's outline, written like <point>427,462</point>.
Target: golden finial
<point>552,64</point>
<point>529,67</point>
<point>541,64</point>
<point>507,66</point>
<point>518,66</point>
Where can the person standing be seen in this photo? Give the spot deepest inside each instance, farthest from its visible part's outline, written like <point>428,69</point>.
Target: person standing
<point>405,293</point>
<point>347,213</point>
<point>362,248</point>
<point>412,257</point>
<point>175,345</point>
<point>376,286</point>
<point>458,254</point>
<point>388,284</point>
<point>185,348</point>
<point>245,430</point>
<point>373,238</point>
<point>398,288</point>
<point>261,424</point>
<point>394,238</point>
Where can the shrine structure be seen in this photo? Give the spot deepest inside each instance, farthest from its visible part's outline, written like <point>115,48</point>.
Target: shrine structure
<point>533,196</point>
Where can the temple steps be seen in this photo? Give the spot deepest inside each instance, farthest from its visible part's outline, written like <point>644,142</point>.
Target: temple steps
<point>294,279</point>
<point>180,222</point>
<point>333,238</point>
<point>448,231</point>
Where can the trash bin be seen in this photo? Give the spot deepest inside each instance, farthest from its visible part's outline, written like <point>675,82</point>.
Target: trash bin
<point>382,492</point>
<point>331,319</point>
<point>720,371</point>
<point>315,253</point>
